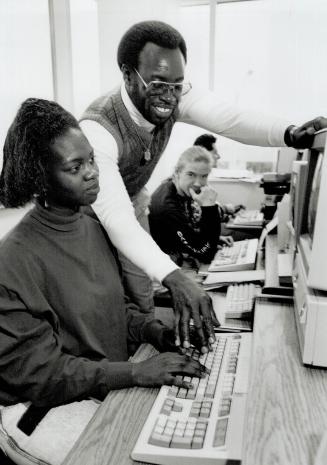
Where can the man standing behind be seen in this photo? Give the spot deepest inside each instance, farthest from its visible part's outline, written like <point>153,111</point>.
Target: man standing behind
<point>129,129</point>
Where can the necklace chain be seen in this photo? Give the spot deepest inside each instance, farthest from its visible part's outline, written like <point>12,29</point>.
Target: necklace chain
<point>147,152</point>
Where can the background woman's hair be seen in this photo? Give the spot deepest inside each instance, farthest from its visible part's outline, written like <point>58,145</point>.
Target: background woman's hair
<point>191,155</point>
<point>27,149</point>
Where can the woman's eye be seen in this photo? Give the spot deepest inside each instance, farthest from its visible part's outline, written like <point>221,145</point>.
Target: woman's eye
<point>75,169</point>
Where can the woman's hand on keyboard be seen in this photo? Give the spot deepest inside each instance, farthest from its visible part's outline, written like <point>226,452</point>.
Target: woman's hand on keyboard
<point>167,368</point>
<point>163,338</point>
<point>226,240</point>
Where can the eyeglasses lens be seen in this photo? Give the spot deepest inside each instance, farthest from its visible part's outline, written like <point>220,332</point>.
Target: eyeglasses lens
<point>158,87</point>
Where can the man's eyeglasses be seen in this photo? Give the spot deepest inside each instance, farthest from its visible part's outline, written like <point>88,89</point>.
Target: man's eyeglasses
<point>161,87</point>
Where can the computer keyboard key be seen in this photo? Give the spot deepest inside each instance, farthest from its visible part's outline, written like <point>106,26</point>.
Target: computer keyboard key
<point>220,433</point>
<point>181,442</point>
<point>177,407</point>
<point>159,440</point>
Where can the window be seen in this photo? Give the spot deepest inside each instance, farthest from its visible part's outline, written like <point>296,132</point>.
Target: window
<point>85,53</point>
<point>267,57</point>
<point>25,57</point>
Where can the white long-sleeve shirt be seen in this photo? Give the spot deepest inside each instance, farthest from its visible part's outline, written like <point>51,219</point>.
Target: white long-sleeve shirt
<point>113,205</point>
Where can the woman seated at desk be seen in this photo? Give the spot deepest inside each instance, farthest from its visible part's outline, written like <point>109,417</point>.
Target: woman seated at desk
<point>184,214</point>
<point>64,323</point>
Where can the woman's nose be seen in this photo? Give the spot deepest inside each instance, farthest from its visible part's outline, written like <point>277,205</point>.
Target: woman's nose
<point>91,171</point>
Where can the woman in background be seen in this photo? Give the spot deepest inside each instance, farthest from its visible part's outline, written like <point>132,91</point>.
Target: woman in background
<point>184,215</point>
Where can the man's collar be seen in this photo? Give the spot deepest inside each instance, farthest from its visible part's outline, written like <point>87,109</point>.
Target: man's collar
<point>133,111</point>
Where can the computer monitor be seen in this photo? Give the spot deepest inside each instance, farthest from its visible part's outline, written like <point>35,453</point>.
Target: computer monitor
<point>310,265</point>
<point>313,198</point>
<point>312,211</point>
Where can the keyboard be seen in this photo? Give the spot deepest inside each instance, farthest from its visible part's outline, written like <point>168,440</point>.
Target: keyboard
<point>248,218</point>
<point>240,256</point>
<point>240,300</point>
<point>202,425</point>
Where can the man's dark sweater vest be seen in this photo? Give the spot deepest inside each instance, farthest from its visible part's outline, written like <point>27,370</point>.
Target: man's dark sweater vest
<point>132,140</point>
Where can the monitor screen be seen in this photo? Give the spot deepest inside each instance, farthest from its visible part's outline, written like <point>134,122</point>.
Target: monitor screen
<point>313,198</point>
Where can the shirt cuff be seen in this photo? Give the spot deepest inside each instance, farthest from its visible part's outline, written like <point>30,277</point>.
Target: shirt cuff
<point>118,375</point>
<point>165,270</point>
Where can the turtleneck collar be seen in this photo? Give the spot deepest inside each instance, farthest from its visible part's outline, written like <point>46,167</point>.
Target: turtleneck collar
<point>55,221</point>
<point>133,111</point>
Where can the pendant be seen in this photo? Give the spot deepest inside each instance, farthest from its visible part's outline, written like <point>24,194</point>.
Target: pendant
<point>147,155</point>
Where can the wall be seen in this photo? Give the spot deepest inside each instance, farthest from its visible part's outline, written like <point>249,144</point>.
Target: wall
<point>269,54</point>
<point>114,18</point>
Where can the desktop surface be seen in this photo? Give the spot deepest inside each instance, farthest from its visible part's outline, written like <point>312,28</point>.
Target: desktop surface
<point>286,409</point>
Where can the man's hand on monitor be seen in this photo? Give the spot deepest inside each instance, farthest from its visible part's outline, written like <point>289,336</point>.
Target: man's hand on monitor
<point>301,137</point>
<point>191,302</point>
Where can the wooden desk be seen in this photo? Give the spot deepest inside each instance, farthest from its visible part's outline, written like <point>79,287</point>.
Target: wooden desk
<point>287,403</point>
<point>111,434</point>
<point>286,413</point>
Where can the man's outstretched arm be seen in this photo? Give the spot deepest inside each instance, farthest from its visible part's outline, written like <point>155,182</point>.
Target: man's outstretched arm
<point>115,211</point>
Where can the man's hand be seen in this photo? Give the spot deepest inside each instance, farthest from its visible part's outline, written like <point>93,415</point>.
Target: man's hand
<point>160,336</point>
<point>302,137</point>
<point>206,197</point>
<point>190,301</point>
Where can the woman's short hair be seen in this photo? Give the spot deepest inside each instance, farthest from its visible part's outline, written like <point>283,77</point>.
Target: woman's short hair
<point>27,149</point>
<point>192,155</point>
<point>137,36</point>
